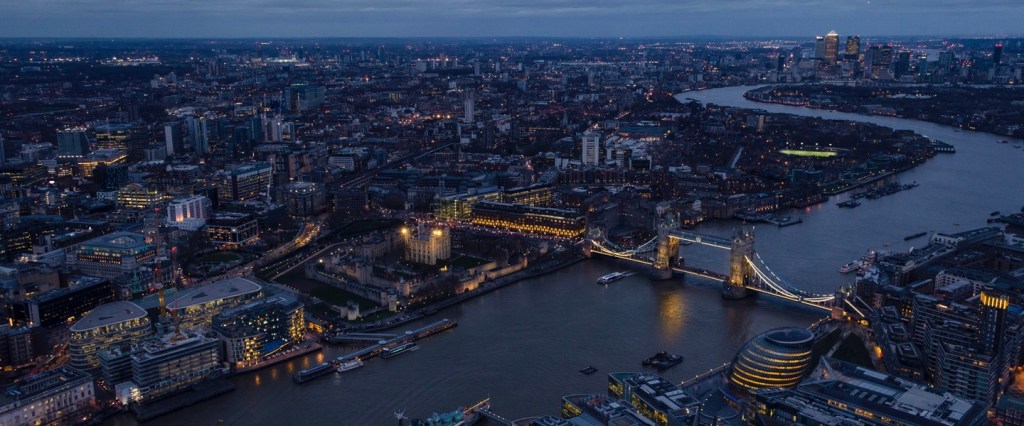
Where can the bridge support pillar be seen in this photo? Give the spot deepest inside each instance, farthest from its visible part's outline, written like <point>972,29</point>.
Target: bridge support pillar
<point>740,271</point>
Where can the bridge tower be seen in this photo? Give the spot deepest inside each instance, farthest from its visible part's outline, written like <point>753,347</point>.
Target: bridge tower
<point>740,271</point>
<point>667,248</point>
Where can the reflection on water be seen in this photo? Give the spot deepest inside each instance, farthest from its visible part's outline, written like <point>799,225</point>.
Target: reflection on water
<point>671,308</point>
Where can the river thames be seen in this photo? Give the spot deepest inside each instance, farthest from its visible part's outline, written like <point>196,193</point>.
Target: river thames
<point>522,345</point>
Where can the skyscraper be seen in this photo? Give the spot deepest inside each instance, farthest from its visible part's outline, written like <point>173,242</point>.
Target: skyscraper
<point>174,138</point>
<point>997,54</point>
<point>831,47</point>
<point>198,134</point>
<point>591,142</point>
<point>852,46</point>
<point>469,110</point>
<point>819,47</point>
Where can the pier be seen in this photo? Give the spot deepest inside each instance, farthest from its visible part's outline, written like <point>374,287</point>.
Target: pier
<point>375,349</point>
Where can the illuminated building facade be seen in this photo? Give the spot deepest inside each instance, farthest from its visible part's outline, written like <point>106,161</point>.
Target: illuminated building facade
<point>841,393</point>
<point>777,358</point>
<point>654,398</point>
<point>255,330</point>
<point>244,182</point>
<point>114,254</point>
<point>831,47</point>
<point>51,397</point>
<point>426,246</point>
<point>565,223</point>
<point>87,164</point>
<point>174,362</point>
<point>197,308</point>
<point>970,349</point>
<point>459,207</point>
<point>232,229</point>
<point>113,136</point>
<point>188,213</point>
<point>106,326</point>
<point>135,196</point>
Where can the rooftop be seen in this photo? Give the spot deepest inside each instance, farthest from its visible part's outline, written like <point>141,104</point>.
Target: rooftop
<point>223,289</point>
<point>118,240</point>
<point>109,314</point>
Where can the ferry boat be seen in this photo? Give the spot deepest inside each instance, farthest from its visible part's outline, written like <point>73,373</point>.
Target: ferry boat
<point>848,204</point>
<point>663,360</point>
<point>395,350</point>
<point>614,276</point>
<point>850,267</point>
<point>312,373</point>
<point>351,365</point>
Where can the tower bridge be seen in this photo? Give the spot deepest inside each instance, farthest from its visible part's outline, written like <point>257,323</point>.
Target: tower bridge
<point>748,274</point>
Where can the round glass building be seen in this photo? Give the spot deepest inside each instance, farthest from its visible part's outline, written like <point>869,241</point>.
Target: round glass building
<point>777,358</point>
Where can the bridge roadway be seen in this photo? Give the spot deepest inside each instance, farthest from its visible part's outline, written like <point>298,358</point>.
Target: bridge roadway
<point>760,279</point>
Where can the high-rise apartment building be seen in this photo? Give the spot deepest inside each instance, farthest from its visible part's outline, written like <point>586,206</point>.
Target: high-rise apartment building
<point>591,148</point>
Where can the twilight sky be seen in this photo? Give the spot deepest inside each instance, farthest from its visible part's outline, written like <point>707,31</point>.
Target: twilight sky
<point>602,18</point>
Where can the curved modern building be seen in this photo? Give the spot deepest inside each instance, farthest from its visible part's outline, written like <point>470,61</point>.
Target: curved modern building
<point>104,327</point>
<point>777,358</point>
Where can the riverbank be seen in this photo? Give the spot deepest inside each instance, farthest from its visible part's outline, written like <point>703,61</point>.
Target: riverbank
<point>197,393</point>
<point>948,106</point>
<point>484,288</point>
<point>303,349</point>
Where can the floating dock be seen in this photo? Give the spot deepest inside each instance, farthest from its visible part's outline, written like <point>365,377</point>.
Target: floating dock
<point>376,349</point>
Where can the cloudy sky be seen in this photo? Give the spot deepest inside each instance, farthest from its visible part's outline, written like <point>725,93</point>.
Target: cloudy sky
<point>586,18</point>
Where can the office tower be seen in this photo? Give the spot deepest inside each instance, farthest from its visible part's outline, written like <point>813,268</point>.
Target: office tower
<point>113,136</point>
<point>853,46</point>
<point>114,254</point>
<point>780,64</point>
<point>997,54</point>
<point>189,213</point>
<point>819,47</point>
<point>105,327</point>
<point>244,182</point>
<point>468,105</point>
<point>240,142</point>
<point>256,129</point>
<point>72,143</point>
<point>946,61</point>
<point>831,47</point>
<point>3,154</point>
<point>591,142</point>
<point>993,322</point>
<point>137,142</point>
<point>902,65</point>
<point>198,134</point>
<point>174,138</point>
